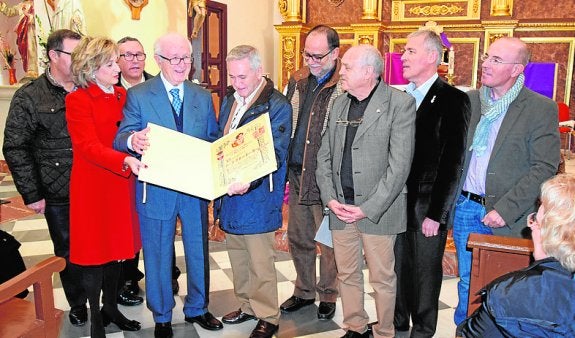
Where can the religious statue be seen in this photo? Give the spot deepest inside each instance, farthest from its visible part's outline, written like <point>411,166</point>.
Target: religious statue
<point>25,34</point>
<point>197,9</point>
<point>68,14</point>
<point>136,7</point>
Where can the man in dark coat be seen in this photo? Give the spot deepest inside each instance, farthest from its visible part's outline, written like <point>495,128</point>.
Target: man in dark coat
<point>38,151</point>
<point>441,126</point>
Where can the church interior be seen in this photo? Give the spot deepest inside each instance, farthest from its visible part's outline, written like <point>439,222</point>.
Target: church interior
<point>278,30</point>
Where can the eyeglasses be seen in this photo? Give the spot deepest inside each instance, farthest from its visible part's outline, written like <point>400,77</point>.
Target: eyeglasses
<point>352,123</point>
<point>532,219</point>
<point>61,51</point>
<point>130,56</point>
<point>494,60</point>
<point>176,60</point>
<point>314,57</point>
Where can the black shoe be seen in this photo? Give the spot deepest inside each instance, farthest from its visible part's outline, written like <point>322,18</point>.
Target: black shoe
<point>78,315</point>
<point>163,330</point>
<point>175,286</point>
<point>295,303</point>
<point>264,330</point>
<point>370,326</point>
<point>325,310</point>
<point>237,317</point>
<point>132,287</point>
<point>207,321</point>
<point>122,322</point>
<point>353,334</point>
<point>126,298</point>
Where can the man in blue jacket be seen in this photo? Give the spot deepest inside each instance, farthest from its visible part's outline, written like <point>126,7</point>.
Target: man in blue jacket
<point>170,100</point>
<point>251,213</point>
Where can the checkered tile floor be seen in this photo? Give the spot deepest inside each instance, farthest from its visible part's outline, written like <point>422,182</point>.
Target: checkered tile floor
<point>31,231</point>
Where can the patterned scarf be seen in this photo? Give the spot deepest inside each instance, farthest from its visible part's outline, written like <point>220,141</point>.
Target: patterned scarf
<point>490,111</point>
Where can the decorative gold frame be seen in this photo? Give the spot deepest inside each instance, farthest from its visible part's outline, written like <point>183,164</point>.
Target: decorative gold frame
<point>501,7</point>
<point>474,41</point>
<point>570,57</point>
<point>492,34</point>
<point>435,10</point>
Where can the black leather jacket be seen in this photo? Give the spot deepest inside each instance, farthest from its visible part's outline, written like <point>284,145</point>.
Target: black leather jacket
<point>37,145</point>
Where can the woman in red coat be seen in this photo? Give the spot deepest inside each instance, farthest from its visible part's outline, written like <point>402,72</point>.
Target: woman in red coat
<point>104,225</point>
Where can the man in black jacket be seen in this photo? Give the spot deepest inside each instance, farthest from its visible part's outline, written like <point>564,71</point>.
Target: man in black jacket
<point>441,123</point>
<point>38,151</point>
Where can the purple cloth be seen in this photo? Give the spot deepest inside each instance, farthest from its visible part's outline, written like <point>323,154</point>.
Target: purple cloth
<point>540,78</point>
<point>393,72</point>
<point>445,40</point>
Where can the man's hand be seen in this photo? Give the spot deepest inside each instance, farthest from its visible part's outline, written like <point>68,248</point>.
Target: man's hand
<point>429,227</point>
<point>140,141</point>
<point>134,164</point>
<point>38,207</point>
<point>493,219</point>
<point>238,188</point>
<point>345,212</point>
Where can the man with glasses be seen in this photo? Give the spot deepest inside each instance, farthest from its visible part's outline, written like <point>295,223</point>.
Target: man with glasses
<point>132,62</point>
<point>38,151</point>
<point>311,90</point>
<point>362,167</point>
<point>512,148</point>
<point>171,101</point>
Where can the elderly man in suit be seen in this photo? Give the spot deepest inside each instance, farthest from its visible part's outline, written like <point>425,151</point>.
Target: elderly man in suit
<point>132,62</point>
<point>441,126</point>
<point>170,100</point>
<point>512,148</point>
<point>362,167</point>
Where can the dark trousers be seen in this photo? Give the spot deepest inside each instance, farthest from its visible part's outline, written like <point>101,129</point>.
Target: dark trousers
<point>418,266</point>
<point>58,219</point>
<point>130,271</point>
<point>102,280</point>
<point>304,220</point>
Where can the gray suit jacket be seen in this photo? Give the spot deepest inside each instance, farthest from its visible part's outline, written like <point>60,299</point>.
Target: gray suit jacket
<point>525,154</point>
<point>381,153</point>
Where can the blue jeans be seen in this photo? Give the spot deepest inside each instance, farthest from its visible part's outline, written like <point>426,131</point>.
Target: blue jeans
<point>467,219</point>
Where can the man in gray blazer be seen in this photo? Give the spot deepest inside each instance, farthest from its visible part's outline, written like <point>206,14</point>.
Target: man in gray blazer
<point>362,167</point>
<point>512,148</point>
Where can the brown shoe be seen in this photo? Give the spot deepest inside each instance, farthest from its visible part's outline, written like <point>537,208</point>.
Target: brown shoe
<point>237,317</point>
<point>264,330</point>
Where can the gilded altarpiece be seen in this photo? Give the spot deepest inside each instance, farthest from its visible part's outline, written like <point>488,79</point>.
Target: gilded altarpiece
<point>470,25</point>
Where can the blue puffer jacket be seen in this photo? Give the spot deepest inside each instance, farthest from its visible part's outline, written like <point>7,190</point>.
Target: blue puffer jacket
<point>258,210</point>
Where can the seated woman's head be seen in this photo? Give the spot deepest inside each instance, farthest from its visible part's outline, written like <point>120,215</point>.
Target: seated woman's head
<point>554,229</point>
<point>94,60</point>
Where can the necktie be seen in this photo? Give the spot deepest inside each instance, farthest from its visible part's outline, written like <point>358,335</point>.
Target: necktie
<point>176,102</point>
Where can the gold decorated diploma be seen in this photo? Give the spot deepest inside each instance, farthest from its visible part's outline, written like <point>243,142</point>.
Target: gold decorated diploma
<point>203,169</point>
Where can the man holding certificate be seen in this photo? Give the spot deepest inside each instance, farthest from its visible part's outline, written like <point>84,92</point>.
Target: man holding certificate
<point>251,213</point>
<point>171,101</point>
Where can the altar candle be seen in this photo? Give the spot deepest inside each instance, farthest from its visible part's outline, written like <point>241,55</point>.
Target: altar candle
<point>451,62</point>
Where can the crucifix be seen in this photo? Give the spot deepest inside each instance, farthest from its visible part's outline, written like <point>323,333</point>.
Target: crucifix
<point>136,7</point>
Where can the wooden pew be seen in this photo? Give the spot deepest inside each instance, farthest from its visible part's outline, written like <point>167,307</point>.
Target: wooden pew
<point>494,256</point>
<point>21,318</point>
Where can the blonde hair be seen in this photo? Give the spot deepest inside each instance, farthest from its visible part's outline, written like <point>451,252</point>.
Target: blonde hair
<point>558,224</point>
<point>91,54</point>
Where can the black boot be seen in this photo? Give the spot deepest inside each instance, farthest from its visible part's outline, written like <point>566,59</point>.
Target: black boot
<point>110,312</point>
<point>92,281</point>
